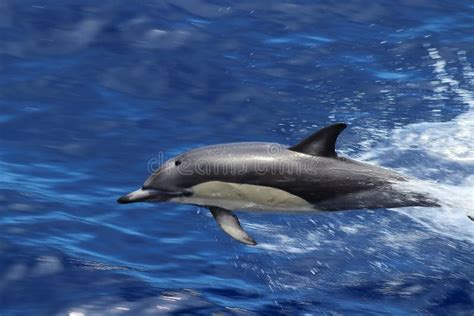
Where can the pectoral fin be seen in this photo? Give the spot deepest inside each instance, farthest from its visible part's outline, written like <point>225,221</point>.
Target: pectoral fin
<point>231,225</point>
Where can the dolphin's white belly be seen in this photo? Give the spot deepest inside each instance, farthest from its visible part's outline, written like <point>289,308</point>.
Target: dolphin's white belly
<point>235,196</point>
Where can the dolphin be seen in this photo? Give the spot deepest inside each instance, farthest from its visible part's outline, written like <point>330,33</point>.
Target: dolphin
<point>257,176</point>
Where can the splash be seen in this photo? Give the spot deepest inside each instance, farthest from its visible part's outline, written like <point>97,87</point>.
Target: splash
<point>450,142</point>
<point>450,219</point>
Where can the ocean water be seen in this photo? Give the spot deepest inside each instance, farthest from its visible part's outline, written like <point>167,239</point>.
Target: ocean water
<point>92,93</point>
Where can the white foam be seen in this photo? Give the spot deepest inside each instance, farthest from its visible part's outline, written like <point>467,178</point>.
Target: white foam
<point>452,140</point>
<point>450,219</point>
<point>449,142</point>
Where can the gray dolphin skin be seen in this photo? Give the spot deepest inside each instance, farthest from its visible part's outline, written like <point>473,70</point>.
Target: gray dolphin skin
<point>306,177</point>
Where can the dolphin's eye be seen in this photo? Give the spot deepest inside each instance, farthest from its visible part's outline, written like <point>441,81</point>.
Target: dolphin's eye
<point>177,163</point>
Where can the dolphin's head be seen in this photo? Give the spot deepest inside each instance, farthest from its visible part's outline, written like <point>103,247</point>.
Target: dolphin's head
<point>171,180</point>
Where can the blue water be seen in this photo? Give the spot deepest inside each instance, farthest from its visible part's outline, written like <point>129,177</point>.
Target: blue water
<point>91,92</point>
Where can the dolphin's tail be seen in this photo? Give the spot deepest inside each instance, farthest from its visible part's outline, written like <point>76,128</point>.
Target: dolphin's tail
<point>427,200</point>
<point>420,199</point>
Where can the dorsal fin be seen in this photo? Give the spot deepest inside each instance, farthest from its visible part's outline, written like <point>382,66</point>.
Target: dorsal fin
<point>322,143</point>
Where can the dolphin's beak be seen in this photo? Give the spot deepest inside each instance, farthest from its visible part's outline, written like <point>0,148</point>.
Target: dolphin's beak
<point>139,195</point>
<point>151,195</point>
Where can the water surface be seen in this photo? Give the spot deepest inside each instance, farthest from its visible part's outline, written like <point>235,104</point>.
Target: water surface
<point>91,93</point>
